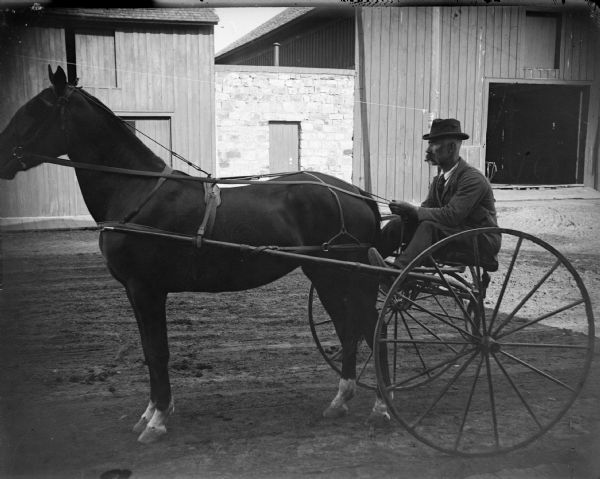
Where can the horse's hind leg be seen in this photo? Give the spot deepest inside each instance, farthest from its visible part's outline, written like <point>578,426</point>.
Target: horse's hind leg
<point>336,294</point>
<point>379,414</point>
<point>149,307</point>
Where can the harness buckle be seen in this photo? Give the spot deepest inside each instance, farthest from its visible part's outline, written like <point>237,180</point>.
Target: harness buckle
<point>17,152</point>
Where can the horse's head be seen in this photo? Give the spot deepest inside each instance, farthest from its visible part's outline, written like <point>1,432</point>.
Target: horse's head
<point>37,128</point>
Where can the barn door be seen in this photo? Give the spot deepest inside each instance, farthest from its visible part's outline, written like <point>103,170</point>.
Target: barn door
<point>284,143</point>
<point>157,128</point>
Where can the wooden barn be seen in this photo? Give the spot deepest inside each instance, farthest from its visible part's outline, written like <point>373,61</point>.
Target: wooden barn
<point>152,67</point>
<point>522,77</point>
<point>297,37</point>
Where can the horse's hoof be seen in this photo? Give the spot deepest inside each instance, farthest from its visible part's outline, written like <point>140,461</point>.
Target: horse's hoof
<point>140,425</point>
<point>335,412</point>
<point>152,434</point>
<point>377,419</point>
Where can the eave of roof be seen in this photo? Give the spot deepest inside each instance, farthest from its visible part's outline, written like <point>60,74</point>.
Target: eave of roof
<point>180,16</point>
<point>288,15</point>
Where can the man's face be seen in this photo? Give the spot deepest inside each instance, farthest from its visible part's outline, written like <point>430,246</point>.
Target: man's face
<point>440,152</point>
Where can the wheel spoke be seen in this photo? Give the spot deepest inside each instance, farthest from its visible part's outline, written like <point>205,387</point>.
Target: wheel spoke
<point>541,318</point>
<point>544,345</point>
<point>417,350</point>
<point>479,284</point>
<point>453,317</point>
<point>321,323</point>
<point>468,405</point>
<point>506,280</point>
<point>437,316</point>
<point>429,370</point>
<point>444,390</point>
<point>492,400</point>
<point>518,392</point>
<point>537,370</point>
<point>395,345</point>
<point>364,366</point>
<point>451,289</point>
<point>526,298</point>
<point>421,341</point>
<point>429,331</point>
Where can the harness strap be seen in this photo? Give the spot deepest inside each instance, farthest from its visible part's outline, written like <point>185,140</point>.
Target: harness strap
<point>212,199</point>
<point>157,232</point>
<point>167,170</point>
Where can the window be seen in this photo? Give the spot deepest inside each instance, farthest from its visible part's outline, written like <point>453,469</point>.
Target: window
<point>542,40</point>
<point>91,57</point>
<point>149,128</point>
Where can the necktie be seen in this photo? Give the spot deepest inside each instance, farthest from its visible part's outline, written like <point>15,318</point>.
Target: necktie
<point>441,183</point>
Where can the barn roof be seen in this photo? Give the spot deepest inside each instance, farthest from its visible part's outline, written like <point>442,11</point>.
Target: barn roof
<point>270,25</point>
<point>188,16</point>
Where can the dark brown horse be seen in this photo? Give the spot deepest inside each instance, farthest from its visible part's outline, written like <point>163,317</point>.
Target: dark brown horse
<point>63,119</point>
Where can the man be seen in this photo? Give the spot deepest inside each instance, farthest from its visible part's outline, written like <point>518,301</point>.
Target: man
<point>459,198</point>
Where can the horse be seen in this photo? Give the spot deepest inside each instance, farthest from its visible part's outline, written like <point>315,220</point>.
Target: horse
<point>303,210</point>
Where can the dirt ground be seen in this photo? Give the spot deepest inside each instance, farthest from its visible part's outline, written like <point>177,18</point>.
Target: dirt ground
<point>248,381</point>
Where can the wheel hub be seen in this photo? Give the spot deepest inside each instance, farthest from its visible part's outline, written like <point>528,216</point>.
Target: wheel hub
<point>489,345</point>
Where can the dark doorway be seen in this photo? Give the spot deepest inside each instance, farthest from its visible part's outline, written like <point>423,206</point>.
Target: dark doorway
<point>535,134</point>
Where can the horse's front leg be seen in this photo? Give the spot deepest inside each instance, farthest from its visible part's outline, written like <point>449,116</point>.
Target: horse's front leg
<point>149,307</point>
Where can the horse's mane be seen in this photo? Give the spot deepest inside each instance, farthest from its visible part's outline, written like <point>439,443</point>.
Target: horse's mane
<point>106,110</point>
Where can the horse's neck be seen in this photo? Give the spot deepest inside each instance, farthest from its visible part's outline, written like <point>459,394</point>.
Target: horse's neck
<point>110,196</point>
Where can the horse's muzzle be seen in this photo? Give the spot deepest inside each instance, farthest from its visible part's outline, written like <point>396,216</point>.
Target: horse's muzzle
<point>13,165</point>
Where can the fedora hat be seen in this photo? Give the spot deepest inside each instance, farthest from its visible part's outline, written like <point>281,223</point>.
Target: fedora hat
<point>445,128</point>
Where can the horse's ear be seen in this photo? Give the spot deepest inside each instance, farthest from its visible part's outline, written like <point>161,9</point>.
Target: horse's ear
<point>58,79</point>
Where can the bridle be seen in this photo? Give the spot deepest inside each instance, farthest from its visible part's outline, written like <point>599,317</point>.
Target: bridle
<point>21,153</point>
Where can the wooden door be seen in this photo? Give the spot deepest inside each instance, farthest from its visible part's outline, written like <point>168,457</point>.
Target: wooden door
<point>284,146</point>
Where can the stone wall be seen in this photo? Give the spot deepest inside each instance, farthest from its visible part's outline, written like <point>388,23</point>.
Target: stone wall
<point>248,98</point>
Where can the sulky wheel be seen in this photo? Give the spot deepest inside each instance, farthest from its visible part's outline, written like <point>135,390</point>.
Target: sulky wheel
<point>328,343</point>
<point>485,360</point>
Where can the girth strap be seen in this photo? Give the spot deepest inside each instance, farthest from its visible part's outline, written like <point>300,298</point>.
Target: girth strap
<point>167,170</point>
<point>212,199</point>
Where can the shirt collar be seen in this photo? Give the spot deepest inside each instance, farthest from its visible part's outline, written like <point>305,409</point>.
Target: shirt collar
<point>448,173</point>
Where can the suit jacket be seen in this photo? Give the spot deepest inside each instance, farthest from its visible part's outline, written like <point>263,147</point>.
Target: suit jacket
<point>467,200</point>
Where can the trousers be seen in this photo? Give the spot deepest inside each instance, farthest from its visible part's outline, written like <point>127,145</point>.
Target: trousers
<point>414,237</point>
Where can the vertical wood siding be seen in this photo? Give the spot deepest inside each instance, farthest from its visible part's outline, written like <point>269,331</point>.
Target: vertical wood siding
<point>47,190</point>
<point>329,46</point>
<point>167,71</point>
<point>398,50</point>
<point>318,43</point>
<point>426,62</point>
<point>97,48</point>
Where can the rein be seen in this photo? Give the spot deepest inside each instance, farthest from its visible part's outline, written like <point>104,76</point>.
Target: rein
<point>20,155</point>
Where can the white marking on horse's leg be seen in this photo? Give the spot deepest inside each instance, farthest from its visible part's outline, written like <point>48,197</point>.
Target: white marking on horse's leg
<point>380,415</point>
<point>346,391</point>
<point>157,426</point>
<point>145,418</point>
